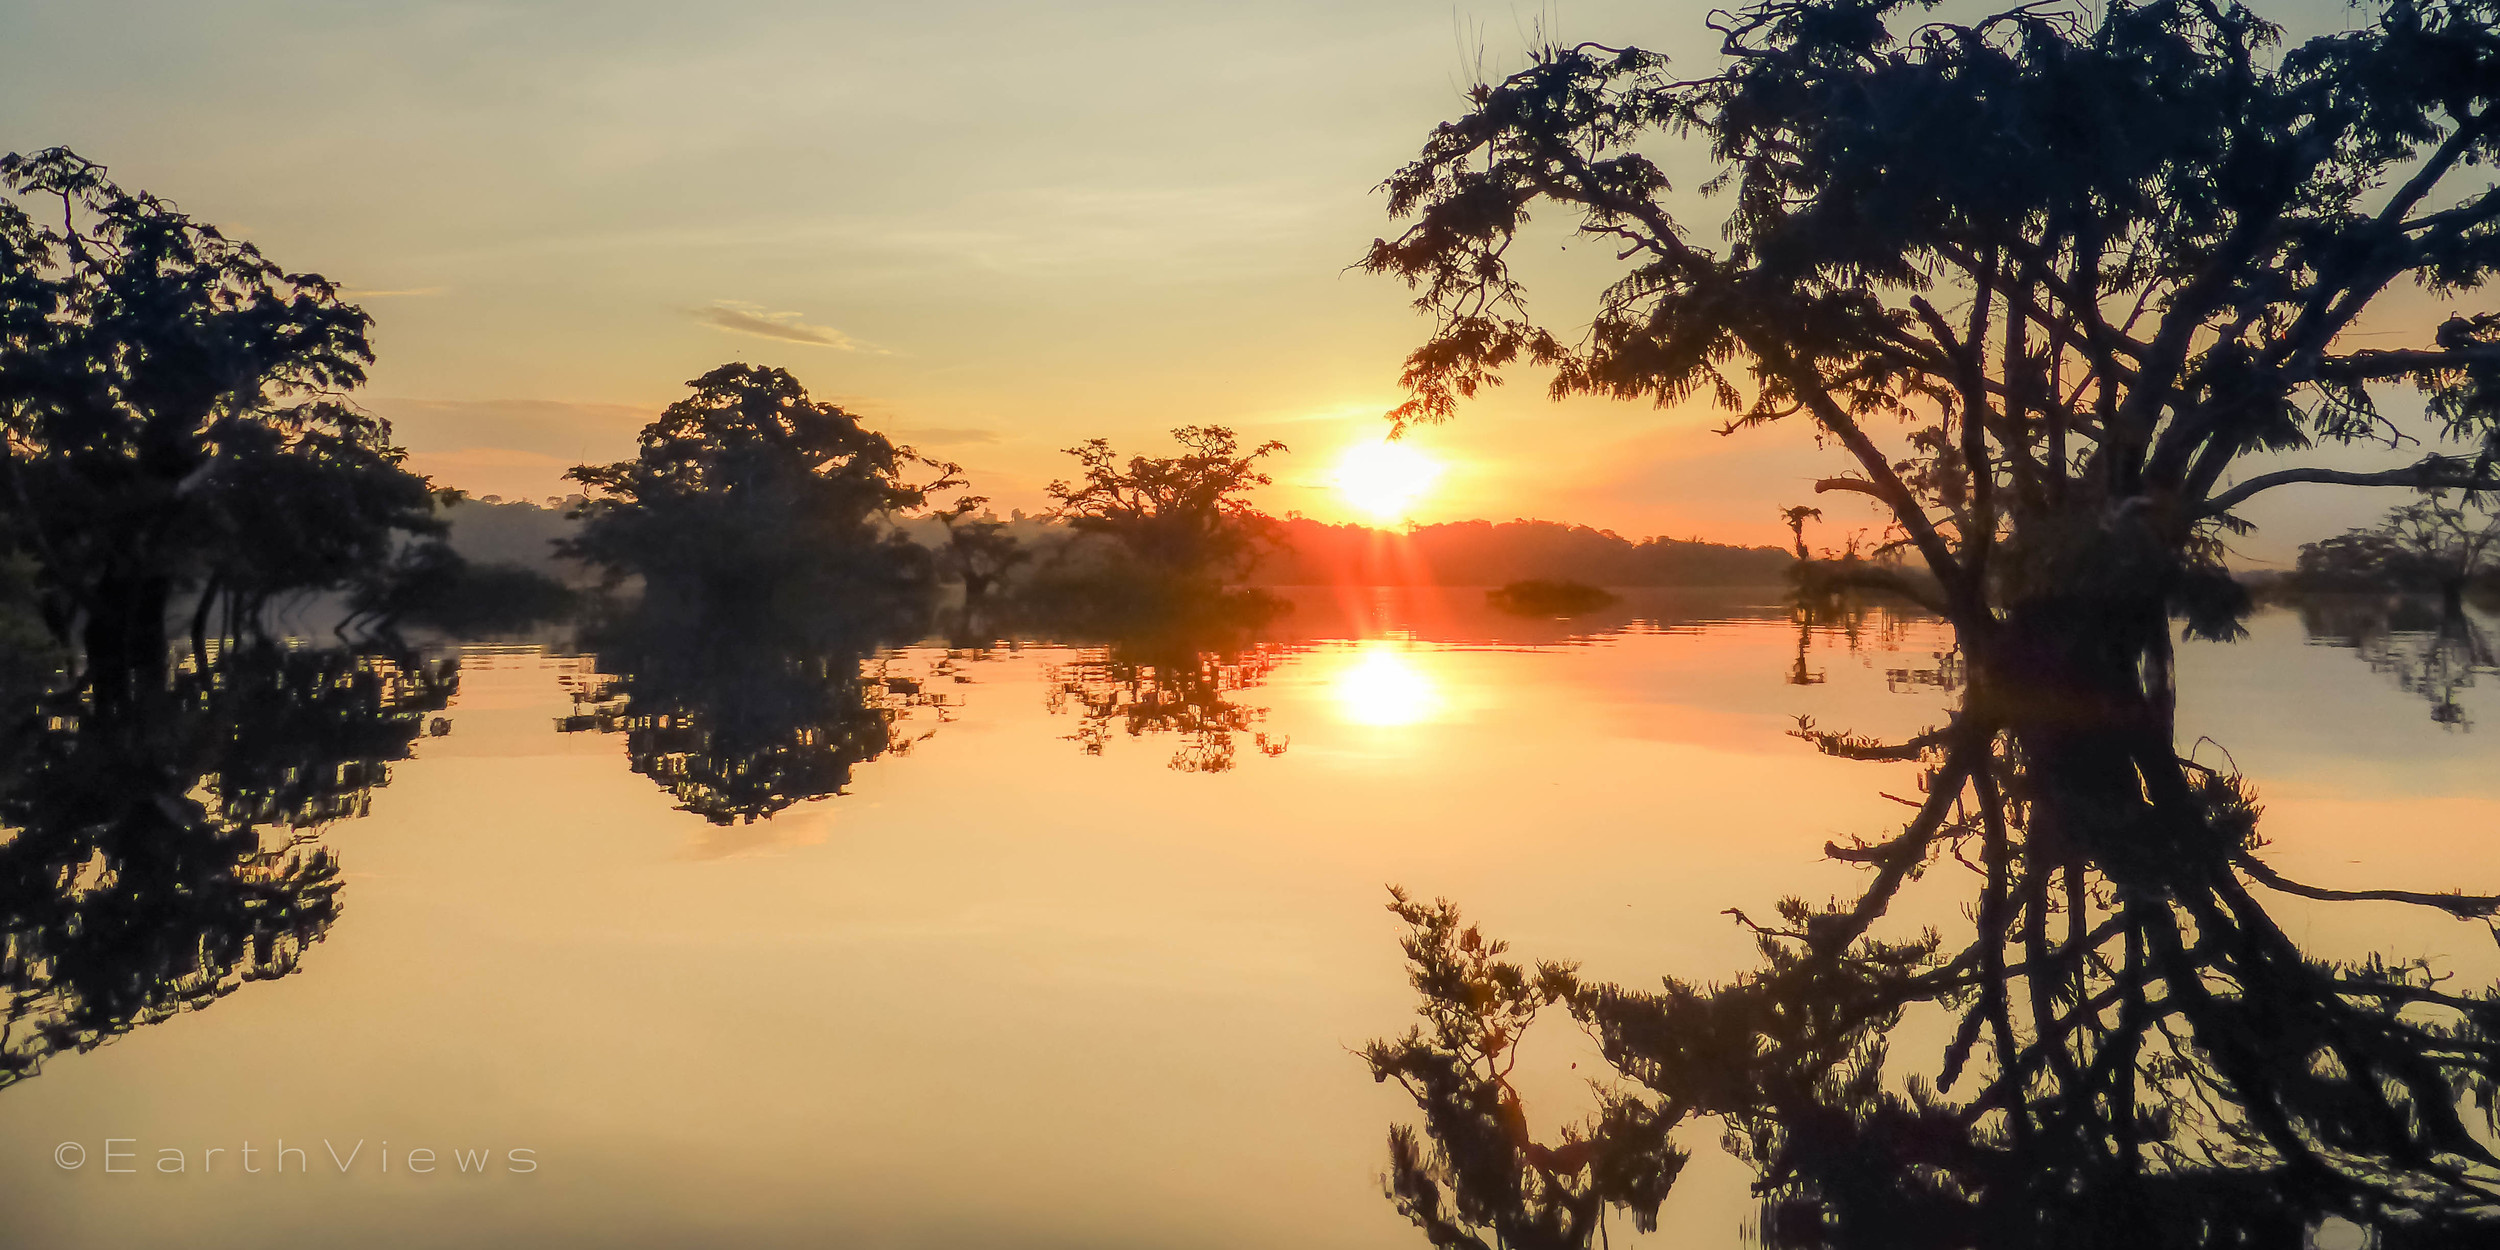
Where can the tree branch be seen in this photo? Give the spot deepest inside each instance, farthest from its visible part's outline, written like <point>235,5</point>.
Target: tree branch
<point>2434,473</point>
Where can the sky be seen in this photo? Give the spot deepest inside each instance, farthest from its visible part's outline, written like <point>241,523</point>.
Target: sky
<point>991,229</point>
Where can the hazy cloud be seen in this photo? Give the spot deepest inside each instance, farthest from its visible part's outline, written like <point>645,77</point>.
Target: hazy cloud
<point>357,292</point>
<point>740,317</point>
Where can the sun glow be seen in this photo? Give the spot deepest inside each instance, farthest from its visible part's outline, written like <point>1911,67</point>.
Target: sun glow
<point>1384,480</point>
<point>1381,685</point>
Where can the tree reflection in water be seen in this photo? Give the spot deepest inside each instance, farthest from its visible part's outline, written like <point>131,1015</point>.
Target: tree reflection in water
<point>1180,683</point>
<point>2431,650</point>
<point>160,853</point>
<point>740,715</point>
<point>2134,1051</point>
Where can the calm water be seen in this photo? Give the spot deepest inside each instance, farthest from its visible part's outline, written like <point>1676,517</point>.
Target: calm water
<point>1035,979</point>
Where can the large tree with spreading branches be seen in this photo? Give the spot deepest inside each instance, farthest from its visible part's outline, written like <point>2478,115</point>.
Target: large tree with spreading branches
<point>749,492</point>
<point>2064,286</point>
<point>176,413</point>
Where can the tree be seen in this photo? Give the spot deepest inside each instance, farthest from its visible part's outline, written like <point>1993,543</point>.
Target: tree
<point>1795,518</point>
<point>979,551</point>
<point>1183,518</point>
<point>174,405</point>
<point>2049,278</point>
<point>2432,545</point>
<point>747,490</point>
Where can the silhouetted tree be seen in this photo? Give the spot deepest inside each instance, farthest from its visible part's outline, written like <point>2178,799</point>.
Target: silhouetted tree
<point>979,551</point>
<point>2092,261</point>
<point>1796,518</point>
<point>748,491</point>
<point>2432,545</point>
<point>174,406</point>
<point>1184,518</point>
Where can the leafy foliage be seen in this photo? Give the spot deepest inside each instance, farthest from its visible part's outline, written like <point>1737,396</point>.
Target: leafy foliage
<point>2433,545</point>
<point>748,491</point>
<point>1183,518</point>
<point>173,403</point>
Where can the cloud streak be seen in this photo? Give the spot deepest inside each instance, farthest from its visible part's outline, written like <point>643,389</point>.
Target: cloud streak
<point>740,317</point>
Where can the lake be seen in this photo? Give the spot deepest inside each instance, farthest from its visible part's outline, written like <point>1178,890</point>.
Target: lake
<point>1083,952</point>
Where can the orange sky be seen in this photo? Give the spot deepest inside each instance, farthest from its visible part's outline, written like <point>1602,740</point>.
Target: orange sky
<point>994,229</point>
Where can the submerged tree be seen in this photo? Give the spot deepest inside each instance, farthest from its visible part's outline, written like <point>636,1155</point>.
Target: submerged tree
<point>1185,518</point>
<point>2087,264</point>
<point>979,552</point>
<point>2434,545</point>
<point>174,409</point>
<point>748,491</point>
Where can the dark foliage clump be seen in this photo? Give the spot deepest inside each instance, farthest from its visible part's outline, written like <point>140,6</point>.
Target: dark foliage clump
<point>433,586</point>
<point>1160,537</point>
<point>748,492</point>
<point>178,423</point>
<point>1541,597</point>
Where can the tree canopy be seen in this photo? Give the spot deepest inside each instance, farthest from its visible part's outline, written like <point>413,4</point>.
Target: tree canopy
<point>175,410</point>
<point>2087,266</point>
<point>2436,545</point>
<point>749,488</point>
<point>1185,516</point>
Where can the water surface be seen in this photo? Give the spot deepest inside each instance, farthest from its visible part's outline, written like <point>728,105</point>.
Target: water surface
<point>1081,953</point>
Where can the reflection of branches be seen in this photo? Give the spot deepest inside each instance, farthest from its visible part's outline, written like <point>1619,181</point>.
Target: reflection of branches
<point>2138,1050</point>
<point>740,720</point>
<point>1823,612</point>
<point>159,855</point>
<point>1165,687</point>
<point>2430,650</point>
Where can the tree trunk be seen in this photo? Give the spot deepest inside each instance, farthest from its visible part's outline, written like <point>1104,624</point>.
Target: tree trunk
<point>125,640</point>
<point>2083,689</point>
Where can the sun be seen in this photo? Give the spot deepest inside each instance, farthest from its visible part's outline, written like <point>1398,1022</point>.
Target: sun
<point>1384,480</point>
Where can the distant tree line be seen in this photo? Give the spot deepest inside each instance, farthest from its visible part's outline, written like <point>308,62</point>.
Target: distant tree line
<point>1486,553</point>
<point>2437,545</point>
<point>1300,551</point>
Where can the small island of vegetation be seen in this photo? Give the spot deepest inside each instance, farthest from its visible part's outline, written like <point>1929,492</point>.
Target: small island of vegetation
<point>1539,596</point>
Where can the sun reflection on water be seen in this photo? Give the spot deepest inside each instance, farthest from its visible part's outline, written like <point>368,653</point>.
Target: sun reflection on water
<point>1381,684</point>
